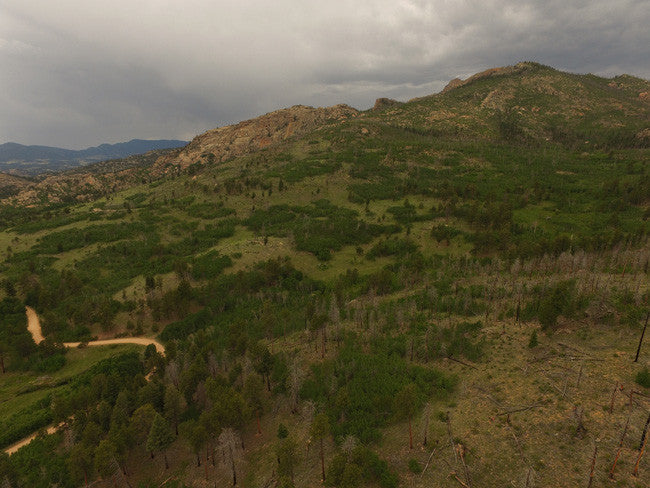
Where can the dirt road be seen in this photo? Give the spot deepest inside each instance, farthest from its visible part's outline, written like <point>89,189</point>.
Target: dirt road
<point>23,442</point>
<point>34,327</point>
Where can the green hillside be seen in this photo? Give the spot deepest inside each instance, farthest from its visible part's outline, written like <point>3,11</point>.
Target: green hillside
<point>470,267</point>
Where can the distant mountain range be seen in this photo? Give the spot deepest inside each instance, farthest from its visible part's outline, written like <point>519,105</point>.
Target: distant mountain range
<point>32,160</point>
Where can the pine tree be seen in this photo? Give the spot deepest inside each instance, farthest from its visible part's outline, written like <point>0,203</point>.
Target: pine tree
<point>405,406</point>
<point>320,428</point>
<point>175,404</point>
<point>160,437</point>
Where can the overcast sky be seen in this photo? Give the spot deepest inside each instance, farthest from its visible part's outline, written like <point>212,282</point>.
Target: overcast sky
<point>78,73</point>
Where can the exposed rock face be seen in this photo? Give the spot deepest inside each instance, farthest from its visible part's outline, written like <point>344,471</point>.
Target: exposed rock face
<point>456,82</point>
<point>381,103</point>
<point>221,144</point>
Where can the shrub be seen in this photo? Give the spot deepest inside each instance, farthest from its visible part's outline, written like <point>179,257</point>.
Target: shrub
<point>643,377</point>
<point>358,468</point>
<point>414,466</point>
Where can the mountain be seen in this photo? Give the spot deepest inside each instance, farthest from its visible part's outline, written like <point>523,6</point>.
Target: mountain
<point>33,160</point>
<point>525,104</point>
<point>225,143</point>
<point>450,290</point>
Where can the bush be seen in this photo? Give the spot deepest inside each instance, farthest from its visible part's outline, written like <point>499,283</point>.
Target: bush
<point>414,466</point>
<point>358,468</point>
<point>643,377</point>
<point>392,247</point>
<point>555,302</point>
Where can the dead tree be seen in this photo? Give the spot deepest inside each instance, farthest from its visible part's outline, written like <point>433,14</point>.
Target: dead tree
<point>620,448</point>
<point>645,432</point>
<point>638,459</point>
<point>611,404</point>
<point>638,349</point>
<point>230,447</point>
<point>593,466</point>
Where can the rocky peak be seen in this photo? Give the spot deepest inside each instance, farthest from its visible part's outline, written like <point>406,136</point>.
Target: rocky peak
<point>223,143</point>
<point>382,103</point>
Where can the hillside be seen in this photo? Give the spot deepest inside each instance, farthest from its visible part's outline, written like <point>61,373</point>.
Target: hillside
<point>448,291</point>
<point>34,160</point>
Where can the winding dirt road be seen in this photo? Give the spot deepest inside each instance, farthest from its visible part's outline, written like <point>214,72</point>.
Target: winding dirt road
<point>34,327</point>
<point>23,442</point>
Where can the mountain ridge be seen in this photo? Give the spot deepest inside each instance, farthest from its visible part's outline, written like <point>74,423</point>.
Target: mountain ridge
<point>527,103</point>
<point>35,159</point>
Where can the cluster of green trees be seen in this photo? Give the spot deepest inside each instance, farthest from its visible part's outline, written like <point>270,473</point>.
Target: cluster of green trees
<point>320,228</point>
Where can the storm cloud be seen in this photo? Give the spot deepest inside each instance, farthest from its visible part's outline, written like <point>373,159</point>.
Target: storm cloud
<point>79,73</point>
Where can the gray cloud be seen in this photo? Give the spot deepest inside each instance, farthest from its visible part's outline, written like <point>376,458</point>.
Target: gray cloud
<point>75,73</point>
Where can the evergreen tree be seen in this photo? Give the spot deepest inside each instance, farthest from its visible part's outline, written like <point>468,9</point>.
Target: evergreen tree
<point>105,463</point>
<point>405,406</point>
<point>175,404</point>
<point>80,462</point>
<point>160,437</point>
<point>320,428</point>
<point>285,451</point>
<point>254,396</point>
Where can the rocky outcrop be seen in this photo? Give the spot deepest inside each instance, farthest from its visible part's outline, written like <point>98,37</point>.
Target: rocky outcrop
<point>455,83</point>
<point>227,142</point>
<point>488,73</point>
<point>382,103</point>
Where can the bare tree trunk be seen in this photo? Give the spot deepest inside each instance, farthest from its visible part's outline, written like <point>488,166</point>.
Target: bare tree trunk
<point>232,466</point>
<point>620,448</point>
<point>638,349</point>
<point>426,428</point>
<point>451,439</point>
<point>645,432</point>
<point>322,459</point>
<point>593,466</point>
<point>611,403</point>
<point>580,375</point>
<point>638,460</point>
<point>461,450</point>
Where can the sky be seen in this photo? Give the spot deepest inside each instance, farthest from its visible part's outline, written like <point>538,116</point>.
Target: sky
<point>77,73</point>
